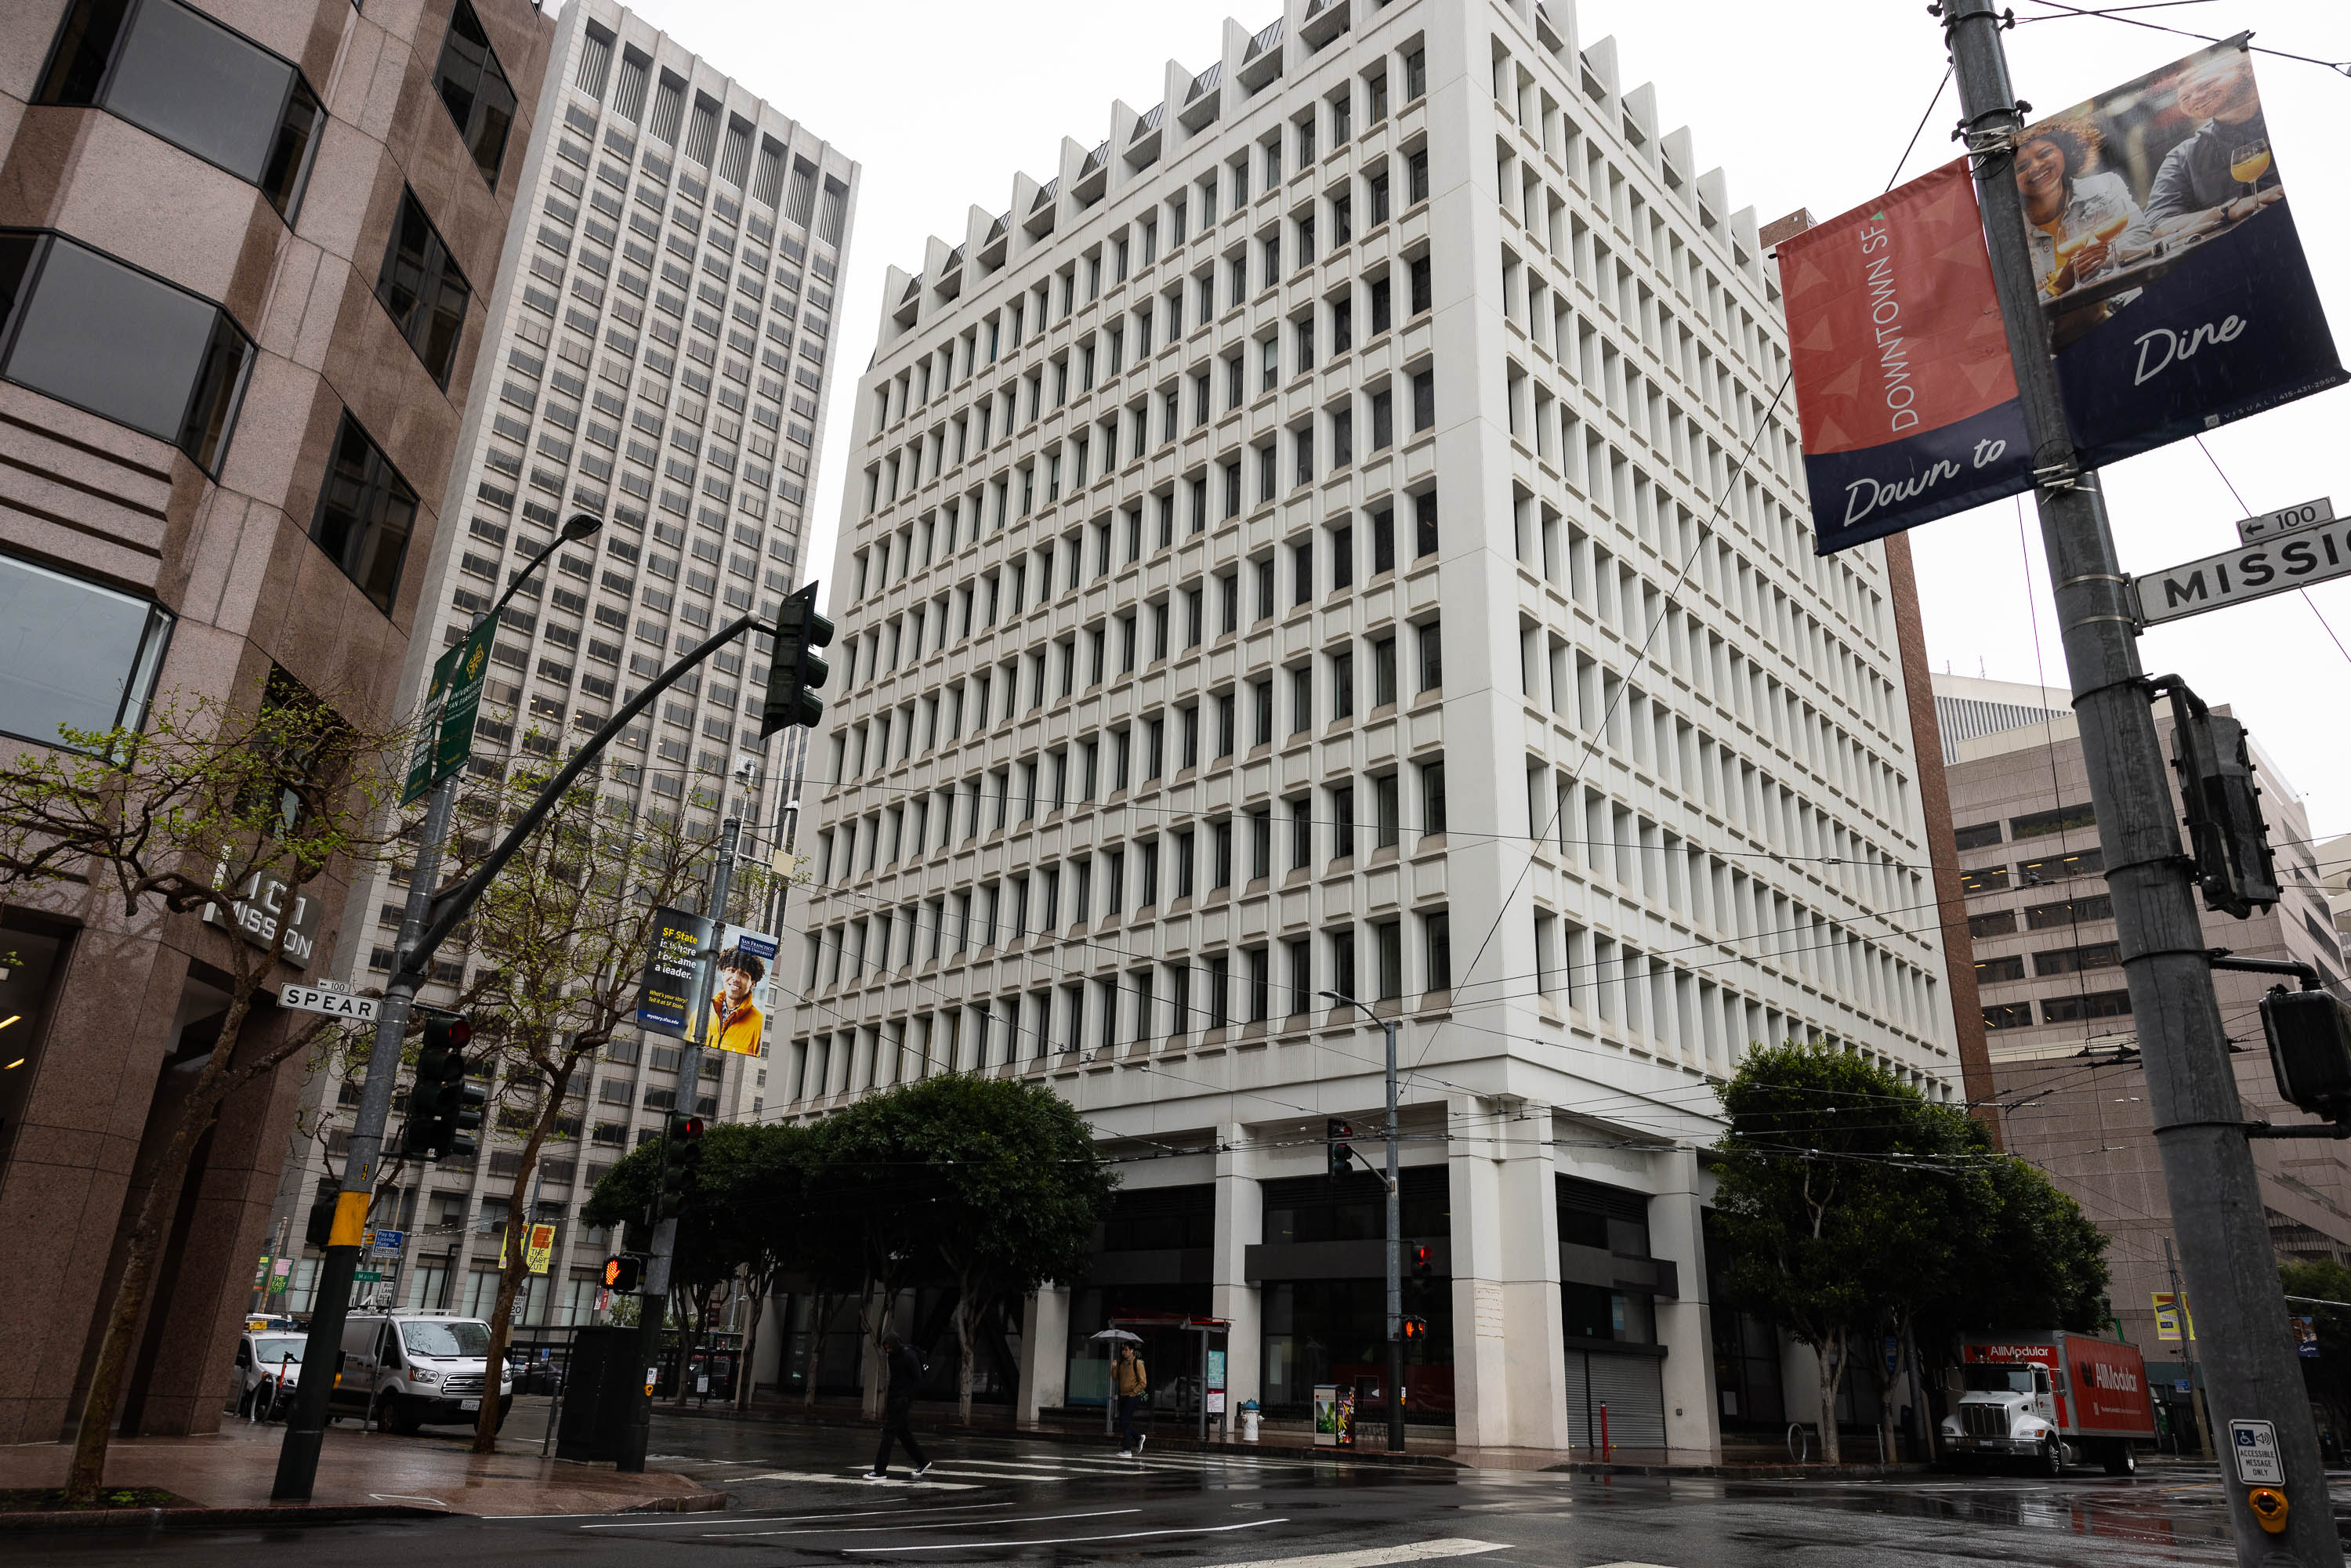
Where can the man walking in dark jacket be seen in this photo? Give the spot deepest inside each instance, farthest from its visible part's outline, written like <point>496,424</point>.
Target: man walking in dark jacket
<point>905,1373</point>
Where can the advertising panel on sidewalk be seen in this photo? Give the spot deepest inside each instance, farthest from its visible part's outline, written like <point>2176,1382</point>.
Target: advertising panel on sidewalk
<point>1904,388</point>
<point>2172,286</point>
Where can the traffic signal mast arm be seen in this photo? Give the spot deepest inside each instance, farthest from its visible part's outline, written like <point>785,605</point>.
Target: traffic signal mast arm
<point>450,907</point>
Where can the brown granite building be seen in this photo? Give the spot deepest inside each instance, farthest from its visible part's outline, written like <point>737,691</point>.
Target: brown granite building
<point>246,254</point>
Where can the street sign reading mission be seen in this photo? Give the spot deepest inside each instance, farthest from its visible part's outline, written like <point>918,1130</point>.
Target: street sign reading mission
<point>2275,564</point>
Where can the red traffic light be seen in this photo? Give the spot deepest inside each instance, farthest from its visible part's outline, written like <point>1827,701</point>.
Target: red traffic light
<point>1423,1262</point>
<point>459,1033</point>
<point>687,1127</point>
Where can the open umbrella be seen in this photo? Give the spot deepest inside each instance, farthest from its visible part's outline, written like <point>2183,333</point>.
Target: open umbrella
<point>1119,1333</point>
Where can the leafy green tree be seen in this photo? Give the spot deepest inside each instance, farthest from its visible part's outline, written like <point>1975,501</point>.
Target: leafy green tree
<point>1854,1209</point>
<point>2034,1260</point>
<point>1016,1190</point>
<point>741,1219</point>
<point>773,1219</point>
<point>878,1197</point>
<point>1827,1195</point>
<point>181,821</point>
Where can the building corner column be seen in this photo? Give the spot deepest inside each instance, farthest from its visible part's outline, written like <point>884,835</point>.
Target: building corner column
<point>1509,1359</point>
<point>1232,1296</point>
<point>1044,1352</point>
<point>1685,1324</point>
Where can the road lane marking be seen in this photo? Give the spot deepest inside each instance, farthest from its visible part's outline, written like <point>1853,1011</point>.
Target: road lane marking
<point>943,1524</point>
<point>1373,1556</point>
<point>819,1478</point>
<point>789,1518</point>
<point>1061,1540</point>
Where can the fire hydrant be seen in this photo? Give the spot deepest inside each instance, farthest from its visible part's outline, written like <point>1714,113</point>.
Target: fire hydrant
<point>1248,1420</point>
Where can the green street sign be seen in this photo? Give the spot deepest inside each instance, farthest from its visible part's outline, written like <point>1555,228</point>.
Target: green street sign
<point>445,738</point>
<point>368,1276</point>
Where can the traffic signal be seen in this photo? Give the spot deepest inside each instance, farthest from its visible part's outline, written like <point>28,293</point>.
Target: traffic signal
<point>1415,1330</point>
<point>1423,1262</point>
<point>2309,1049</point>
<point>796,671</point>
<point>1337,1133</point>
<point>622,1272</point>
<point>2223,807</point>
<point>442,1107</point>
<point>681,1162</point>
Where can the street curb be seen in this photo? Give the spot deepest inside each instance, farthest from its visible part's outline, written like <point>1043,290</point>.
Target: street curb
<point>691,1502</point>
<point>212,1518</point>
<point>1745,1472</point>
<point>1087,1439</point>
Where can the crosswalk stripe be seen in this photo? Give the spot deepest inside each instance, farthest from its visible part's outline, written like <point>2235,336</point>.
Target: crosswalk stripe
<point>760,1518</point>
<point>947,1525</point>
<point>831,1481</point>
<point>1373,1556</point>
<point>1063,1539</point>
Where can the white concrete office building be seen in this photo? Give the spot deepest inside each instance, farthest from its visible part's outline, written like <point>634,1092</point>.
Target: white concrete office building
<point>1303,544</point>
<point>661,345</point>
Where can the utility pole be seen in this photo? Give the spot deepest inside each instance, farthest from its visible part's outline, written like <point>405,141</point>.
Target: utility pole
<point>2187,1348</point>
<point>306,1427</point>
<point>636,1437</point>
<point>1396,1234</point>
<point>2199,1122</point>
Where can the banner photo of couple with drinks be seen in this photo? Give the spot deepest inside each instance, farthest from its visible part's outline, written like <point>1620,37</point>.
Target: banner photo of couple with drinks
<point>2172,287</point>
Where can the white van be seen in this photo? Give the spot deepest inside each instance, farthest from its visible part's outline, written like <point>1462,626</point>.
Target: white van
<point>406,1370</point>
<point>269,1368</point>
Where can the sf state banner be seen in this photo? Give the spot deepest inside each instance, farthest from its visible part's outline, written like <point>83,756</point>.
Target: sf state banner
<point>1904,388</point>
<point>664,1004</point>
<point>2171,277</point>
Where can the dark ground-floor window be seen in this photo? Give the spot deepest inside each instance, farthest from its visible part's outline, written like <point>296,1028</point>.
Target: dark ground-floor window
<point>1336,1332</point>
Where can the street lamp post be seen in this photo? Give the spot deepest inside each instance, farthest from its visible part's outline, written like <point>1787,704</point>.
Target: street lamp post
<point>1395,1235</point>
<point>306,1427</point>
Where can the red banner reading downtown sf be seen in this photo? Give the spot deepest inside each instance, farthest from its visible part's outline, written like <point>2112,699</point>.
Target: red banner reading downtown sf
<point>1902,376</point>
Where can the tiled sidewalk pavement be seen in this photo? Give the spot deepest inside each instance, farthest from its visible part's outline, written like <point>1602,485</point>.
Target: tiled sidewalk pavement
<point>235,1468</point>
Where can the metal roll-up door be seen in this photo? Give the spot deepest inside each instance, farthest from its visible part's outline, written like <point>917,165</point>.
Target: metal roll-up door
<point>1633,1389</point>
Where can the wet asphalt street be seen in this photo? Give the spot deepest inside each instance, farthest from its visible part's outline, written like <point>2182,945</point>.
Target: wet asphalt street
<point>795,1495</point>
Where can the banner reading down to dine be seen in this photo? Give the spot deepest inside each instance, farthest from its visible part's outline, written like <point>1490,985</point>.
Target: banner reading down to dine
<point>1904,388</point>
<point>2173,288</point>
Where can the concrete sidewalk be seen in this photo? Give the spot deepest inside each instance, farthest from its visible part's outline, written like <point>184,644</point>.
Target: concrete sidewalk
<point>225,1477</point>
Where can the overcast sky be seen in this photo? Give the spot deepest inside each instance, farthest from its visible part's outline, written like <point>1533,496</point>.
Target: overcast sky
<point>1803,105</point>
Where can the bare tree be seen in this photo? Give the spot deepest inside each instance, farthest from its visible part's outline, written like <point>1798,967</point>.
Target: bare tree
<point>218,808</point>
<point>561,937</point>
